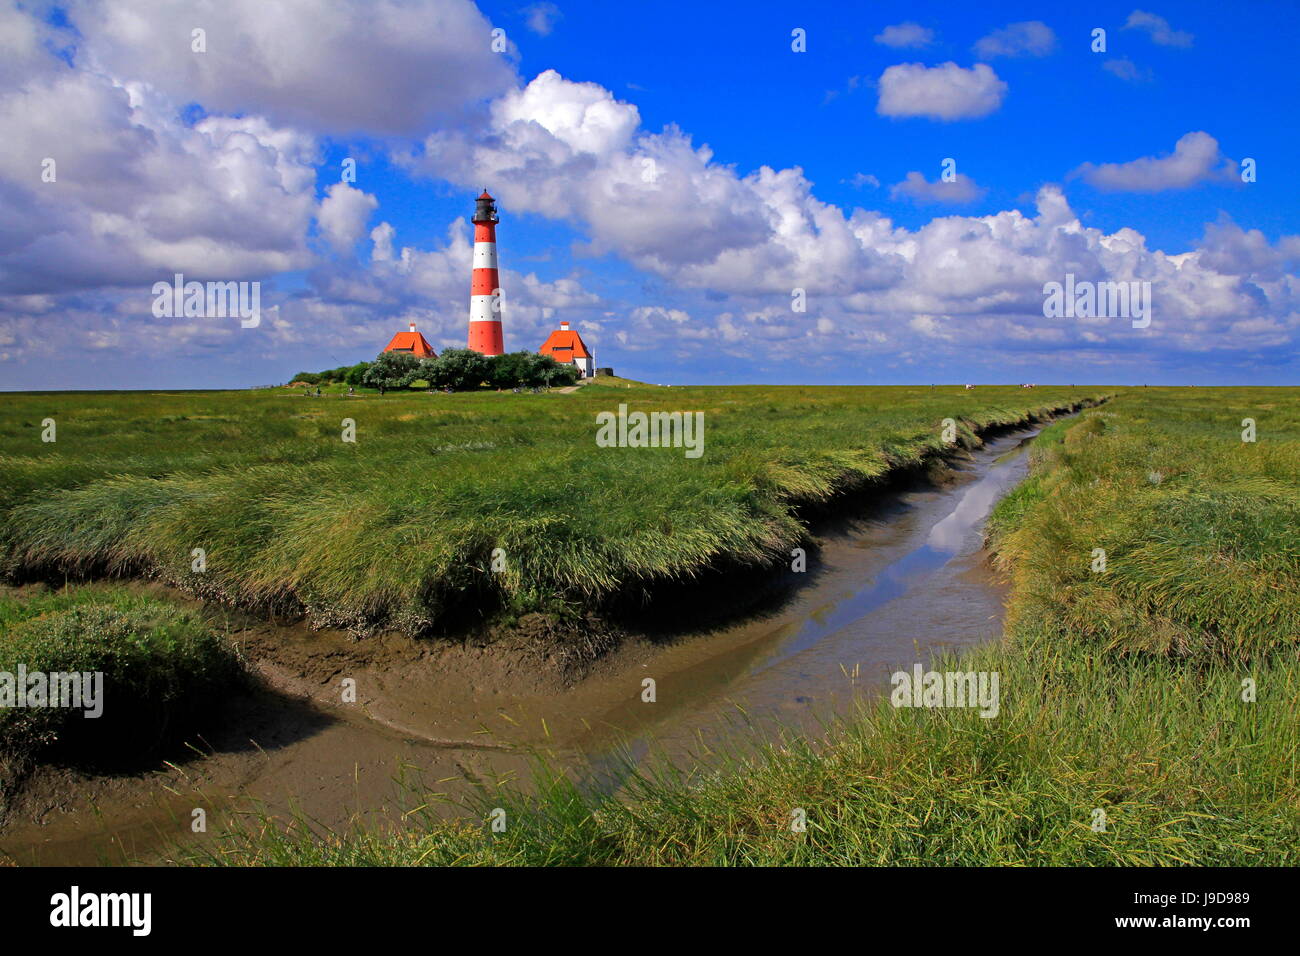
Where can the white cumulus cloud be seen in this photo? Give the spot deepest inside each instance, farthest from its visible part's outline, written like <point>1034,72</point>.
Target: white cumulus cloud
<point>1196,159</point>
<point>904,35</point>
<point>1026,38</point>
<point>1158,29</point>
<point>945,92</point>
<point>916,187</point>
<point>343,215</point>
<point>137,194</point>
<point>387,66</point>
<point>1125,69</point>
<point>541,17</point>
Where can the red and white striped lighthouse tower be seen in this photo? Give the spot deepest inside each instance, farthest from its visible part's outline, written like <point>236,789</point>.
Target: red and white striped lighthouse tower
<point>485,287</point>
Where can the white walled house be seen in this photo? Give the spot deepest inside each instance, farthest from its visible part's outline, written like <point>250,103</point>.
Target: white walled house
<point>566,345</point>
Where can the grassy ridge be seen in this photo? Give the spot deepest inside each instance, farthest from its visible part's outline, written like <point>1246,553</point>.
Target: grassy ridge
<point>399,527</point>
<point>1121,692</point>
<point>1199,528</point>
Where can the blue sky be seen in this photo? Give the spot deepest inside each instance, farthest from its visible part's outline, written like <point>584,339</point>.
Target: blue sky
<point>668,175</point>
<point>732,81</point>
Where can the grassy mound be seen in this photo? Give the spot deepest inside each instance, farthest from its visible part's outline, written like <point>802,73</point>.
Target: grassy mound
<point>161,666</point>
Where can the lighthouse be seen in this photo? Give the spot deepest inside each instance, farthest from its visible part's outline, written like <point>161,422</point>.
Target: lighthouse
<point>485,285</point>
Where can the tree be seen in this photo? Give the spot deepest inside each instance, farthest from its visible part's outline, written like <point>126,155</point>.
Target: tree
<point>458,369</point>
<point>431,372</point>
<point>543,371</point>
<point>356,374</point>
<point>392,370</point>
<point>564,374</point>
<point>510,369</point>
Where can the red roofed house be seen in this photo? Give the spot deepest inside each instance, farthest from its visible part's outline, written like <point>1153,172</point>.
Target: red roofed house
<point>566,345</point>
<point>412,342</point>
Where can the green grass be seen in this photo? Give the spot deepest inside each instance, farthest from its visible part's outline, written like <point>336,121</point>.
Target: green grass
<point>1121,692</point>
<point>399,528</point>
<point>161,665</point>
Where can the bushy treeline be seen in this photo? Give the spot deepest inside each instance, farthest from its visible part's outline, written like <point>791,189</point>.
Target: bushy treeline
<point>457,369</point>
<point>344,374</point>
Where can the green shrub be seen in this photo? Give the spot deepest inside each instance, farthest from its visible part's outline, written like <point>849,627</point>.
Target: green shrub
<point>457,369</point>
<point>162,666</point>
<point>392,370</point>
<point>356,375</point>
<point>511,369</point>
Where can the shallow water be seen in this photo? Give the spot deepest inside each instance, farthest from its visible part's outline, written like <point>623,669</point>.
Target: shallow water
<point>891,591</point>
